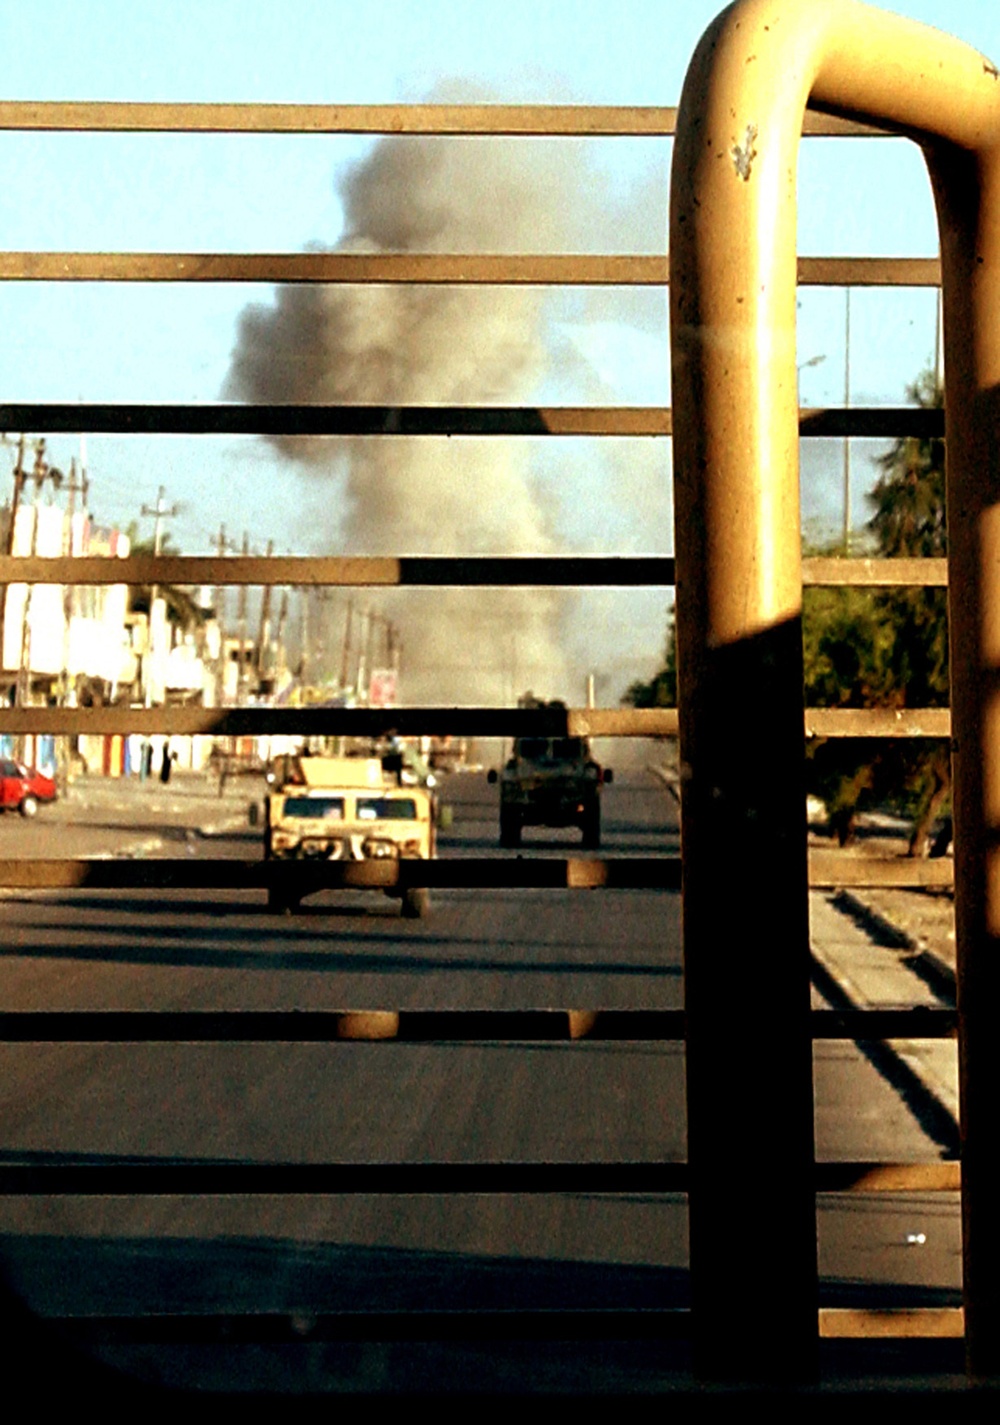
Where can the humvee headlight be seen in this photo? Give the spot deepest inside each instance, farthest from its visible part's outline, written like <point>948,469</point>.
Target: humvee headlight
<point>377,849</point>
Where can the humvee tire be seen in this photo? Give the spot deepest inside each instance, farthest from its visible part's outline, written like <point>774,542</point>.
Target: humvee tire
<point>281,902</point>
<point>416,902</point>
<point>590,825</point>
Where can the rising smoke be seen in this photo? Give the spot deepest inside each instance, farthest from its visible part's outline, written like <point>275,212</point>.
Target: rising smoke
<point>400,345</point>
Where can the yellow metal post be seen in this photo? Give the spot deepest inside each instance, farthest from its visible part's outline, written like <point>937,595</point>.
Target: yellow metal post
<point>733,271</point>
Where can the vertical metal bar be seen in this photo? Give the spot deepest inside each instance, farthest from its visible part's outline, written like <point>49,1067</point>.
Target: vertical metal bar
<point>967,189</point>
<point>738,572</point>
<point>733,292</point>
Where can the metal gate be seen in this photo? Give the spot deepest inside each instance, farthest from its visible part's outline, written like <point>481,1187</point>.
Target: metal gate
<point>739,577</point>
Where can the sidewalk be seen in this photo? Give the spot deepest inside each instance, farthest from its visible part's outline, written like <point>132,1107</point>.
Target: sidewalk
<point>103,817</point>
<point>917,925</point>
<point>857,969</point>
<point>884,947</point>
<point>921,922</point>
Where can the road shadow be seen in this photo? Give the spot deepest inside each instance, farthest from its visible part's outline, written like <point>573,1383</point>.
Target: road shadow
<point>236,948</point>
<point>265,1313</point>
<point>61,1275</point>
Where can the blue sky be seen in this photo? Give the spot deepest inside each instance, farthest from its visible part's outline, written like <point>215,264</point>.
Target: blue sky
<point>64,342</point>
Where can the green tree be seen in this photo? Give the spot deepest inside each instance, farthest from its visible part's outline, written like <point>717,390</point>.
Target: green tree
<point>183,609</point>
<point>661,690</point>
<point>909,513</point>
<point>886,648</point>
<point>867,648</point>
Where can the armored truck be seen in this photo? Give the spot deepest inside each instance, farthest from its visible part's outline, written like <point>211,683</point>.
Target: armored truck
<point>551,781</point>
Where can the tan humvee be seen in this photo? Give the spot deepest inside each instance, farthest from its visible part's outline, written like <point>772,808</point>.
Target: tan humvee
<point>348,809</point>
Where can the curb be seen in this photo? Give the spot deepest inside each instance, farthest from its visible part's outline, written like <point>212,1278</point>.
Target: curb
<point>936,973</point>
<point>919,1093</point>
<point>670,779</point>
<point>140,849</point>
<point>902,1063</point>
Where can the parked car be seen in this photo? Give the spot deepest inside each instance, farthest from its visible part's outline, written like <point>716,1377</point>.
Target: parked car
<point>23,788</point>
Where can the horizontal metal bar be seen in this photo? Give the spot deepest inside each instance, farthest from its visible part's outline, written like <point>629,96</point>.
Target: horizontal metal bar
<point>423,571</point>
<point>827,869</point>
<point>440,1026</point>
<point>457,119</point>
<point>76,1176</point>
<point>470,1324</point>
<point>898,1323</point>
<point>878,722</point>
<point>170,1177</point>
<point>541,120</point>
<point>470,722</point>
<point>347,722</point>
<point>876,573</point>
<point>869,271</point>
<point>622,421</point>
<point>467,1324</point>
<point>316,420</point>
<point>868,1025</point>
<point>831,869</point>
<point>411,571</point>
<point>306,878</point>
<point>888,1177</point>
<point>871,422</point>
<point>462,269</point>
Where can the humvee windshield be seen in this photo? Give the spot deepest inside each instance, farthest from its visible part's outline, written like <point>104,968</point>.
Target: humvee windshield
<point>330,808</point>
<point>558,749</point>
<point>386,809</point>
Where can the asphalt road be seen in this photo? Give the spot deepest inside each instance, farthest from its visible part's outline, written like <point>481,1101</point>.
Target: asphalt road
<point>391,1102</point>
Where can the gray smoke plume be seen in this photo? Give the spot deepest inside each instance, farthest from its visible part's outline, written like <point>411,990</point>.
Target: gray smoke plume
<point>400,345</point>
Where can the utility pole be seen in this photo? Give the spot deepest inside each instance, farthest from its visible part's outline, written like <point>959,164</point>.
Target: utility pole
<point>279,637</point>
<point>70,602</point>
<point>345,661</point>
<point>364,656</point>
<point>304,592</point>
<point>158,514</point>
<point>264,634</point>
<point>41,471</point>
<point>242,616</point>
<point>222,548</point>
<point>19,479</point>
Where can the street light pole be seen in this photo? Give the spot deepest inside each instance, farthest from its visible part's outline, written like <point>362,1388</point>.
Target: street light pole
<point>847,438</point>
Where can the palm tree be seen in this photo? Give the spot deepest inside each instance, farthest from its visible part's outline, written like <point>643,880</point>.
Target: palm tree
<point>183,610</point>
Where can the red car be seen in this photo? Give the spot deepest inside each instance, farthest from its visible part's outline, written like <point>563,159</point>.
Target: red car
<point>22,788</point>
